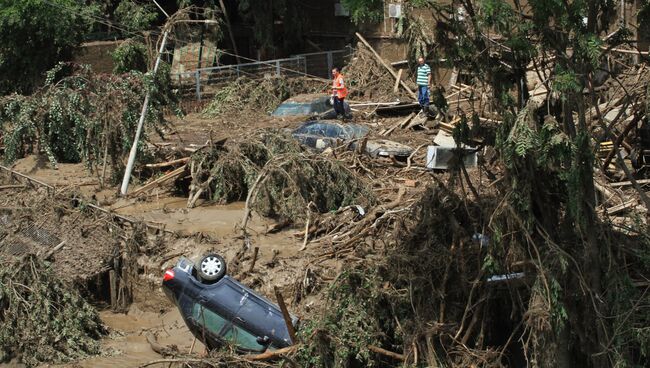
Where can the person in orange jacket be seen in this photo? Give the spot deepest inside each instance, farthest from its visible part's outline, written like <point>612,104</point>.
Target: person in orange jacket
<point>339,92</point>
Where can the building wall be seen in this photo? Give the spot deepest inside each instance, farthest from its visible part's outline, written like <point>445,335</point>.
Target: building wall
<point>97,54</point>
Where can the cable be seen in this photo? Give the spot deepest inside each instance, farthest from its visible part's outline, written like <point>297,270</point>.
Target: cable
<point>182,42</point>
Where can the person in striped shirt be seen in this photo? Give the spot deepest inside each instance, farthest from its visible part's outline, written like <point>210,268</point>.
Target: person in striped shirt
<point>423,81</point>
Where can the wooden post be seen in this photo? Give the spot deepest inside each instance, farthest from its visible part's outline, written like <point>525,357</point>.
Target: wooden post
<point>255,251</point>
<point>397,80</point>
<point>112,280</point>
<point>388,67</point>
<point>286,315</point>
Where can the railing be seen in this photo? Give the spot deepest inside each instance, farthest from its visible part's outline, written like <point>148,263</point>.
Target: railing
<point>318,64</point>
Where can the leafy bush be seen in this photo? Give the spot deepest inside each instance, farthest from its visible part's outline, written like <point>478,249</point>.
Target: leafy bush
<point>35,35</point>
<point>135,17</point>
<point>43,319</point>
<point>130,55</point>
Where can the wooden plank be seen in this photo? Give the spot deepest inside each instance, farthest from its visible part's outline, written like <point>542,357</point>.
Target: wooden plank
<point>626,183</point>
<point>162,179</point>
<point>399,123</point>
<point>621,207</point>
<point>383,63</point>
<point>397,80</point>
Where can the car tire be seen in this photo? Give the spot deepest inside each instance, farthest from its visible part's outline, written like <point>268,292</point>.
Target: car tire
<point>211,268</point>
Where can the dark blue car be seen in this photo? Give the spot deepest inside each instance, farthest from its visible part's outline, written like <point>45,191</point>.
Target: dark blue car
<point>218,309</point>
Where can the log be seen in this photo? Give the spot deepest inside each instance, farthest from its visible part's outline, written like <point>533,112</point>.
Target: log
<point>169,163</point>
<point>255,252</point>
<point>286,315</point>
<point>270,354</point>
<point>387,353</point>
<point>15,186</point>
<point>171,175</point>
<point>27,177</point>
<point>388,67</point>
<point>626,183</point>
<point>397,80</point>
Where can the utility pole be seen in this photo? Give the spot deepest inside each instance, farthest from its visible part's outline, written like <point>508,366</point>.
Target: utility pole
<point>145,107</point>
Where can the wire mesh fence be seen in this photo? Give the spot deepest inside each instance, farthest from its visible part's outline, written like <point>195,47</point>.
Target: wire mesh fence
<point>317,64</point>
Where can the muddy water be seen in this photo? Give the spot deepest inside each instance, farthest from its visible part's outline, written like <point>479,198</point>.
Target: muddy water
<point>127,344</point>
<point>216,220</point>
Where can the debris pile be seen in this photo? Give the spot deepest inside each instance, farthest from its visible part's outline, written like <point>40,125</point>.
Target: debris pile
<point>368,80</point>
<point>262,96</point>
<point>42,318</point>
<point>276,176</point>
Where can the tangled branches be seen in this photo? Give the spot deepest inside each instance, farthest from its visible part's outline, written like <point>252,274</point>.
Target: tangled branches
<point>276,176</point>
<point>79,116</point>
<point>225,173</point>
<point>41,318</point>
<point>369,80</point>
<point>245,94</point>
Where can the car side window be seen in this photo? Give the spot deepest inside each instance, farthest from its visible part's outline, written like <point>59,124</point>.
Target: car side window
<point>242,338</point>
<point>208,319</point>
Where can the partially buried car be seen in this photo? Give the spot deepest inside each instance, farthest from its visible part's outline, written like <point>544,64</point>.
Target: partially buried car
<point>219,310</point>
<point>311,105</point>
<point>321,134</point>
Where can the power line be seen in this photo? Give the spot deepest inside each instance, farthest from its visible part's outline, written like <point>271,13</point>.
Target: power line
<point>180,41</point>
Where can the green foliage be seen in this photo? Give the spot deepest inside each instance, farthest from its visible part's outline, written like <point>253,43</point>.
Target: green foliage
<point>263,14</point>
<point>80,116</point>
<point>130,55</point>
<point>253,94</point>
<point>35,35</point>
<point>290,179</point>
<point>135,17</point>
<point>364,10</point>
<point>43,319</point>
<point>357,317</point>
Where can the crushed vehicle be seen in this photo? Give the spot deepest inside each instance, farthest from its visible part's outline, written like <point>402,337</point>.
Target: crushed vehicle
<point>219,310</point>
<point>312,105</point>
<point>321,134</point>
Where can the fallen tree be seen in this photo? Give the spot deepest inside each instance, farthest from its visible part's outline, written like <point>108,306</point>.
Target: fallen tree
<point>80,116</point>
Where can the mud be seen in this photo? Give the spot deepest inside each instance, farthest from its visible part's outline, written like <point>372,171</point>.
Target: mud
<point>214,227</point>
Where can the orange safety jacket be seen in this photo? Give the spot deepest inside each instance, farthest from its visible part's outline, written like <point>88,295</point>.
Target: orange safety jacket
<point>338,87</point>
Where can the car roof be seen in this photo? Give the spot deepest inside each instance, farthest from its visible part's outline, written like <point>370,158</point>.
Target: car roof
<point>311,97</point>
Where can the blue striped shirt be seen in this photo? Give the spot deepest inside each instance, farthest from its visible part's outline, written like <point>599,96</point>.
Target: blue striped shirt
<point>423,75</point>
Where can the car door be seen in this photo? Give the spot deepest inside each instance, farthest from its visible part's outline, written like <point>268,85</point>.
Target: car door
<point>211,326</point>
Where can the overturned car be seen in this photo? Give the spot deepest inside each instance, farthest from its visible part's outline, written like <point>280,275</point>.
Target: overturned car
<point>219,310</point>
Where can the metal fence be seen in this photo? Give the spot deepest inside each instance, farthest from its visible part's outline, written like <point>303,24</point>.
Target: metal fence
<point>318,64</point>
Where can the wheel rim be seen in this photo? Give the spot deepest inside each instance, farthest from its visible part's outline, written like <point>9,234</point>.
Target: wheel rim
<point>211,266</point>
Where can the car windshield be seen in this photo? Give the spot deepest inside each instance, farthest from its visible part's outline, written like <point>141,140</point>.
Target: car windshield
<point>293,108</point>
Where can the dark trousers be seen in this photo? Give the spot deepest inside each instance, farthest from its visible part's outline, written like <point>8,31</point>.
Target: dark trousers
<point>338,106</point>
